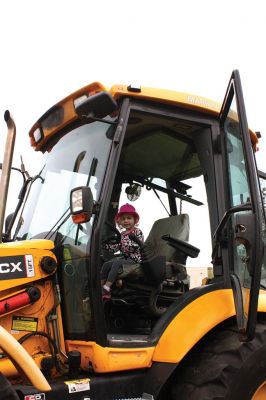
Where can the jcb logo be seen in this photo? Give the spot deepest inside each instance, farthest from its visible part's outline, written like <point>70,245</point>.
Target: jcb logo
<point>16,267</point>
<point>5,268</point>
<point>39,396</point>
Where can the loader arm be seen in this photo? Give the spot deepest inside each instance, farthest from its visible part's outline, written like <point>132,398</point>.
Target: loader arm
<point>22,360</point>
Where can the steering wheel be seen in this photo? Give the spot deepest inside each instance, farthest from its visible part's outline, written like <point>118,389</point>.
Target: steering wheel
<point>115,237</point>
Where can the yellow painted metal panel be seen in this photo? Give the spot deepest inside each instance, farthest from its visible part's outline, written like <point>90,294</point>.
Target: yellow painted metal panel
<point>192,323</point>
<point>108,359</point>
<point>6,248</point>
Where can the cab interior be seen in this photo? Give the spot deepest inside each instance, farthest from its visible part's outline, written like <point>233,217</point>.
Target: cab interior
<point>161,173</point>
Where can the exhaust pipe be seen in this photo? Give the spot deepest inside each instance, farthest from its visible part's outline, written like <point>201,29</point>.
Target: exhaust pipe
<point>6,167</point>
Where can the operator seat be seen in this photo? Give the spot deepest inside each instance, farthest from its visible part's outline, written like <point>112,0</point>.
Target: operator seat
<point>161,277</point>
<point>169,260</point>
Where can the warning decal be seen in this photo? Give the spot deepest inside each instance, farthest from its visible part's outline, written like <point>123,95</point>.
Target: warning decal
<point>28,324</point>
<point>78,385</point>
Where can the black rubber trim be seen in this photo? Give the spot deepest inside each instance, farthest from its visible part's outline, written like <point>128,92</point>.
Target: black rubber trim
<point>118,385</point>
<point>156,377</point>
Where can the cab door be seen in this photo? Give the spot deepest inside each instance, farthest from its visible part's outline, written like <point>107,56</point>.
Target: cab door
<point>244,211</point>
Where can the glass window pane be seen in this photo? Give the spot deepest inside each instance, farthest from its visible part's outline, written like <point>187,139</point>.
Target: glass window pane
<point>239,188</point>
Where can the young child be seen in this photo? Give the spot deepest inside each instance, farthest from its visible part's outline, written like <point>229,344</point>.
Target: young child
<point>127,218</point>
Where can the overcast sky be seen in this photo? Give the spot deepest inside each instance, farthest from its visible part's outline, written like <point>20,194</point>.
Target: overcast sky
<point>51,48</point>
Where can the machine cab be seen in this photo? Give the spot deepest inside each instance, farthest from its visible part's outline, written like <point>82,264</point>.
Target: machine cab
<point>189,172</point>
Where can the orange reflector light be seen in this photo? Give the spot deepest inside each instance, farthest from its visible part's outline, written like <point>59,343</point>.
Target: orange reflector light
<point>80,218</point>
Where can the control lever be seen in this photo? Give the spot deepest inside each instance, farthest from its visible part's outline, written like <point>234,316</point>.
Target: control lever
<point>184,247</point>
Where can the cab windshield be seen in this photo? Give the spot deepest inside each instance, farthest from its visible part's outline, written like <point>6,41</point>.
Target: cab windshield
<point>78,159</point>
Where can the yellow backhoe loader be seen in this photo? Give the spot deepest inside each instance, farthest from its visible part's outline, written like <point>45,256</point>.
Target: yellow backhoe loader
<point>187,164</point>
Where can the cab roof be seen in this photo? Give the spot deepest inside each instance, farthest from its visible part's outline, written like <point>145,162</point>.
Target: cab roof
<point>68,114</point>
<point>167,97</point>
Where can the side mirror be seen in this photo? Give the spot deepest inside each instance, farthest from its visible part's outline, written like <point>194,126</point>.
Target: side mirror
<point>98,105</point>
<point>81,204</point>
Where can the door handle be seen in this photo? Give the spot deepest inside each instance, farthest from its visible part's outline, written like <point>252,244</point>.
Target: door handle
<point>240,228</point>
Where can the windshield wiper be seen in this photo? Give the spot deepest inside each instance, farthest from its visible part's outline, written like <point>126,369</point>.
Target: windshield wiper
<point>64,217</point>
